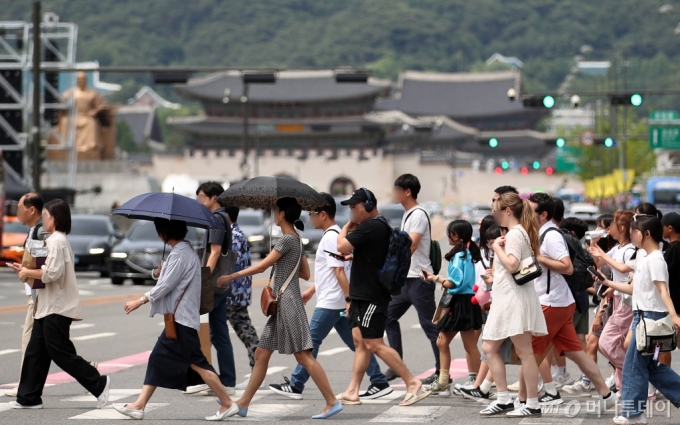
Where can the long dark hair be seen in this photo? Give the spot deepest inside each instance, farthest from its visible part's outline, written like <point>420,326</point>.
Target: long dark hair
<point>606,243</point>
<point>486,223</point>
<point>462,229</point>
<point>648,209</point>
<point>648,223</point>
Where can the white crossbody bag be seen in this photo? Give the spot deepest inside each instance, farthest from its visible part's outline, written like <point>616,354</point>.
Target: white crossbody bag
<point>655,336</point>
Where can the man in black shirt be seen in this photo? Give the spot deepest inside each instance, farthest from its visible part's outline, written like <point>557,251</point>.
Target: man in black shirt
<point>671,231</point>
<point>368,235</point>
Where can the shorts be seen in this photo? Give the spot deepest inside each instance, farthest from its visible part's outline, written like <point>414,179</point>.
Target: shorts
<point>369,318</point>
<point>561,332</point>
<point>582,322</point>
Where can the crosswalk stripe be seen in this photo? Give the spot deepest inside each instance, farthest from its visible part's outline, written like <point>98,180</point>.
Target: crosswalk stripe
<point>402,414</point>
<point>8,351</point>
<point>114,395</point>
<point>93,336</point>
<point>109,413</point>
<point>333,351</point>
<point>548,421</point>
<point>4,407</point>
<point>268,412</point>
<point>83,326</point>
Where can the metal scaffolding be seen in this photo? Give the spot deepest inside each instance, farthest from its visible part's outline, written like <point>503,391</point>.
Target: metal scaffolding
<point>58,45</point>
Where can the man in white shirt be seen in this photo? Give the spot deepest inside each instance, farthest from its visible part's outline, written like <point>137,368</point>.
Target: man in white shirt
<point>29,213</point>
<point>558,307</point>
<point>331,285</point>
<point>416,292</point>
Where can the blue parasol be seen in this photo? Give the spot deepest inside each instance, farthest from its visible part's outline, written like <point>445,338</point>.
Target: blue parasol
<point>170,206</point>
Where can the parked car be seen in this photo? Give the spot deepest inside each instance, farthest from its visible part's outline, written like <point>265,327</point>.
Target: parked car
<point>393,213</point>
<point>13,238</point>
<point>255,227</point>
<point>309,245</point>
<point>341,212</point>
<point>92,237</point>
<point>141,251</point>
<point>586,212</point>
<point>475,212</point>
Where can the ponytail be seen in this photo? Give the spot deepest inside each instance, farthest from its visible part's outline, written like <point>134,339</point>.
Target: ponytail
<point>475,252</point>
<point>299,225</point>
<point>528,221</point>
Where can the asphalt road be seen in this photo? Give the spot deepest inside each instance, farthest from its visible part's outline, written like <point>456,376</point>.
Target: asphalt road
<point>121,342</point>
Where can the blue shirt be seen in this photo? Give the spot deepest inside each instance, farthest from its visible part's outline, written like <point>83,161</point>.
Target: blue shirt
<point>241,290</point>
<point>461,273</point>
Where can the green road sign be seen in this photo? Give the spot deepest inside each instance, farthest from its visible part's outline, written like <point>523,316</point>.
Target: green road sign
<point>664,137</point>
<point>567,159</point>
<point>663,115</point>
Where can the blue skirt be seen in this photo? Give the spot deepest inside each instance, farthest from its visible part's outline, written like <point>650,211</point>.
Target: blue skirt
<point>170,360</point>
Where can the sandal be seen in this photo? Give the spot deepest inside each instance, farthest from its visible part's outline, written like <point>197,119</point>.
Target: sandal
<point>411,398</point>
<point>346,402</point>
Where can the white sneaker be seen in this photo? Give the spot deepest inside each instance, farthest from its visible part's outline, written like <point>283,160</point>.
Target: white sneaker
<point>196,389</point>
<point>514,387</point>
<point>104,396</point>
<point>562,380</point>
<point>611,382</point>
<point>15,405</point>
<point>606,404</point>
<point>640,419</point>
<point>579,388</point>
<point>12,392</point>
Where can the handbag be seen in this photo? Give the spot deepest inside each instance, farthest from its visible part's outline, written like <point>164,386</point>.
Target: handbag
<point>269,302</point>
<point>169,318</point>
<point>443,307</point>
<point>529,269</point>
<point>655,336</point>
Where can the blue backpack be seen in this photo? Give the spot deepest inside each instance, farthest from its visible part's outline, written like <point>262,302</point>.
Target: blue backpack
<point>393,273</point>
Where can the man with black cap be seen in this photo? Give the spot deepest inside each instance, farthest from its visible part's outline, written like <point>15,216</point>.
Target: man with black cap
<point>671,231</point>
<point>367,235</point>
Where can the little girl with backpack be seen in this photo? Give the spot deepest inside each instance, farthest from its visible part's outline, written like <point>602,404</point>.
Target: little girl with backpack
<point>463,316</point>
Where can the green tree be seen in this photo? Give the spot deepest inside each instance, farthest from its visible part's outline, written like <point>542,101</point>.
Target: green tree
<point>125,139</point>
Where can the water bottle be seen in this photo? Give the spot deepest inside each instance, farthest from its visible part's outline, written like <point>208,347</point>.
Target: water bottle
<point>342,314</point>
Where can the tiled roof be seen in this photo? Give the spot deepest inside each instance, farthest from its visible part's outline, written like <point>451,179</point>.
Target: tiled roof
<point>456,95</point>
<point>290,86</point>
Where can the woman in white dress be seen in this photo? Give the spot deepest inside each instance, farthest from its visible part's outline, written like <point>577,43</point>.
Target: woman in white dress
<point>516,311</point>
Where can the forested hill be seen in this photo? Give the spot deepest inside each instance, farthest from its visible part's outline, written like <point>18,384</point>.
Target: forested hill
<point>387,35</point>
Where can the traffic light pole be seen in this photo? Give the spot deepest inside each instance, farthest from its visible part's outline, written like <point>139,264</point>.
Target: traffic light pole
<point>35,128</point>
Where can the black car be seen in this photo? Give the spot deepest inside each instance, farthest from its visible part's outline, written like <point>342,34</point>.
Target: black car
<point>141,251</point>
<point>393,213</point>
<point>92,238</point>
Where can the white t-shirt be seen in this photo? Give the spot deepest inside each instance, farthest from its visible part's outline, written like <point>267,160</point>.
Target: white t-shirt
<point>28,246</point>
<point>622,254</point>
<point>418,223</point>
<point>645,294</point>
<point>328,291</point>
<point>555,248</point>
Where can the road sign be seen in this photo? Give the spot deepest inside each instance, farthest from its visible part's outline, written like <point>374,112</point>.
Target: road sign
<point>664,137</point>
<point>587,138</point>
<point>663,115</point>
<point>567,159</point>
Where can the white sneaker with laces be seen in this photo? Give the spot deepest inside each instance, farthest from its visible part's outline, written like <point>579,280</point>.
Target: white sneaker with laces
<point>611,382</point>
<point>104,396</point>
<point>579,388</point>
<point>562,380</point>
<point>524,411</point>
<point>609,403</point>
<point>640,419</point>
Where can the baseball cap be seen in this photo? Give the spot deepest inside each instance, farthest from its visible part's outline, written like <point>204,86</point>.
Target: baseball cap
<point>358,196</point>
<point>671,219</point>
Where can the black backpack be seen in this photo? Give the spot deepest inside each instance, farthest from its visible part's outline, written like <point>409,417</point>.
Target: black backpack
<point>580,279</point>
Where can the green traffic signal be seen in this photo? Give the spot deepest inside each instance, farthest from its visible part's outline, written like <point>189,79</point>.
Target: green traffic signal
<point>560,142</point>
<point>609,142</point>
<point>505,165</point>
<point>548,102</point>
<point>536,165</point>
<point>493,142</point>
<point>636,99</point>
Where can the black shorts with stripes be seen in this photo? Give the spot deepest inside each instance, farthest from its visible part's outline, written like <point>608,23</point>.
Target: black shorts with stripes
<point>369,318</point>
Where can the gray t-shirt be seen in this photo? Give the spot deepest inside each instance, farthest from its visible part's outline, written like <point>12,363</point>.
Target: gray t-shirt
<point>416,221</point>
<point>217,237</point>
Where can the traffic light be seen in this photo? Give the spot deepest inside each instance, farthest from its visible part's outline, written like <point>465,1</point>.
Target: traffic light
<point>607,142</point>
<point>524,170</point>
<point>549,171</point>
<point>51,115</point>
<point>493,142</point>
<point>536,165</point>
<point>634,99</point>
<point>538,101</point>
<point>560,143</point>
<point>505,165</point>
<point>498,170</point>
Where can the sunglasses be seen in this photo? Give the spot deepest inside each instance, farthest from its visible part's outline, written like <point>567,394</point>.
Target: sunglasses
<point>635,217</point>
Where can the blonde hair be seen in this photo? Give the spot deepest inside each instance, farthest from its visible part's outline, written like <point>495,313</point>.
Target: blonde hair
<point>524,213</point>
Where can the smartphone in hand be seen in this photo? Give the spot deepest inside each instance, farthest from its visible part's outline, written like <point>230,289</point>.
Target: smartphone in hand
<point>596,273</point>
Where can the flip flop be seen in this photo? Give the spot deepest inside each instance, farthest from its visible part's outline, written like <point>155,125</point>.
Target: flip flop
<point>411,398</point>
<point>346,402</point>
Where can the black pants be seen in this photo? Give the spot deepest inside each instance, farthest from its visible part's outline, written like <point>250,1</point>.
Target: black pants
<point>50,341</point>
<point>420,295</point>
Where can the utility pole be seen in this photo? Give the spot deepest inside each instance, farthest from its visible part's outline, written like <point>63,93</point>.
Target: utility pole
<point>246,113</point>
<point>35,128</point>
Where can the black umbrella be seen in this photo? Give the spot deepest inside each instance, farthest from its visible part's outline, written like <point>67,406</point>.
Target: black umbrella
<point>170,206</point>
<point>263,192</point>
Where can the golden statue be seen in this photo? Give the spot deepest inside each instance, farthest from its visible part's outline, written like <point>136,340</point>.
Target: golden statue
<point>95,124</point>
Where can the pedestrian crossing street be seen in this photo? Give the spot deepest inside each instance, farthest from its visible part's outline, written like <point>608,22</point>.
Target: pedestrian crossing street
<point>270,407</point>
